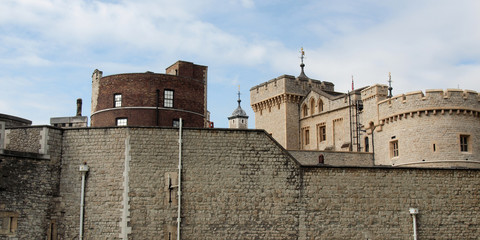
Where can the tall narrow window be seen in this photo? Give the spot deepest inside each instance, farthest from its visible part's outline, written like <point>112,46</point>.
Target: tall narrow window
<point>305,132</point>
<point>307,136</point>
<point>305,110</point>
<point>312,106</point>
<point>122,121</point>
<point>168,98</point>
<point>320,105</point>
<point>394,149</point>
<point>117,98</point>
<point>321,132</point>
<point>367,146</point>
<point>464,143</point>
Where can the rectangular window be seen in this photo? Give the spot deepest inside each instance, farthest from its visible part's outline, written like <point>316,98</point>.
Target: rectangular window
<point>122,121</point>
<point>306,135</point>
<point>117,98</point>
<point>8,223</point>
<point>321,132</point>
<point>176,123</point>
<point>464,141</point>
<point>394,149</point>
<point>168,98</point>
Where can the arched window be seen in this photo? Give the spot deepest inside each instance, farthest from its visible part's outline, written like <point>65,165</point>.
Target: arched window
<point>305,110</point>
<point>312,106</point>
<point>320,105</point>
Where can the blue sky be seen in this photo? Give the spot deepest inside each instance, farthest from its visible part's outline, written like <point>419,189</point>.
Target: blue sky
<point>49,48</point>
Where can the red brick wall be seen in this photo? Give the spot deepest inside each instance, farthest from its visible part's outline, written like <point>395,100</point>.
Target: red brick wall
<point>139,90</point>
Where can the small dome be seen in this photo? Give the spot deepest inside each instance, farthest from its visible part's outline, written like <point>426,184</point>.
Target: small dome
<point>239,112</point>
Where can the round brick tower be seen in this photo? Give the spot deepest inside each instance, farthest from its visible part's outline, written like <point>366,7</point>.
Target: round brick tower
<point>151,99</point>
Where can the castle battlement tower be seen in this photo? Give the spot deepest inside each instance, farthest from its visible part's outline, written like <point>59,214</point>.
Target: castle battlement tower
<point>276,104</point>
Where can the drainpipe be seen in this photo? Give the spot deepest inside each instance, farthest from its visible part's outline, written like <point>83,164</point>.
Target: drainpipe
<point>83,169</point>
<point>156,109</point>
<point>414,212</point>
<point>179,219</point>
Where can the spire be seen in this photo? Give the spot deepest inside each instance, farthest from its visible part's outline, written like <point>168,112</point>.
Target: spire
<point>239,118</point>
<point>239,100</point>
<point>302,75</point>
<point>389,85</point>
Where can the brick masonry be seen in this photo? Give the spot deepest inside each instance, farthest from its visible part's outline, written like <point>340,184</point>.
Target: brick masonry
<point>139,97</point>
<point>236,184</point>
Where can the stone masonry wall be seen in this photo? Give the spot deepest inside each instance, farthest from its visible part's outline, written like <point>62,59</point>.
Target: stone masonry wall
<point>240,184</point>
<point>104,152</point>
<point>236,184</point>
<point>333,158</point>
<point>373,203</point>
<point>29,185</point>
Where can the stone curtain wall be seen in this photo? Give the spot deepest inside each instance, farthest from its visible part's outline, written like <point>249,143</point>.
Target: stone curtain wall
<point>311,158</point>
<point>236,184</point>
<point>242,185</point>
<point>104,152</point>
<point>373,203</point>
<point>239,185</point>
<point>29,185</point>
<point>23,139</point>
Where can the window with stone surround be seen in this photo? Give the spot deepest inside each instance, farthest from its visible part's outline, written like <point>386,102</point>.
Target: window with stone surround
<point>464,143</point>
<point>117,99</point>
<point>320,105</point>
<point>121,121</point>
<point>8,223</point>
<point>312,106</point>
<point>305,135</point>
<point>394,149</point>
<point>321,132</point>
<point>168,98</point>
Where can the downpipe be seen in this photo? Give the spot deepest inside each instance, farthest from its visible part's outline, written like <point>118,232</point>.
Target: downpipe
<point>83,169</point>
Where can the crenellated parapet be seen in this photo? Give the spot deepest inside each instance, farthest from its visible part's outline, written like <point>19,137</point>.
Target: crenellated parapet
<point>437,101</point>
<point>286,84</point>
<point>275,101</point>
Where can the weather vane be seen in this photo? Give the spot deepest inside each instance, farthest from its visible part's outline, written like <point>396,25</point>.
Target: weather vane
<point>302,54</point>
<point>390,85</point>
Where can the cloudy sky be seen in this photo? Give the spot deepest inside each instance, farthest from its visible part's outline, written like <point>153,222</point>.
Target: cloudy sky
<point>49,48</point>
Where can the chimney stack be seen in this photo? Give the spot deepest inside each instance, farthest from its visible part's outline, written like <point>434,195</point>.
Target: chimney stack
<point>79,107</point>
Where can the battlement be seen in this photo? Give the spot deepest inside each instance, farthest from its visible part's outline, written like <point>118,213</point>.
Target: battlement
<point>432,100</point>
<point>286,84</point>
<point>377,91</point>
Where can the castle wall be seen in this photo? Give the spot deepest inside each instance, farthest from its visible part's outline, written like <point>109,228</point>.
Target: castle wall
<point>428,129</point>
<point>429,139</point>
<point>373,203</point>
<point>12,121</point>
<point>237,180</point>
<point>29,180</point>
<point>236,184</point>
<point>333,158</point>
<point>334,116</point>
<point>370,97</point>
